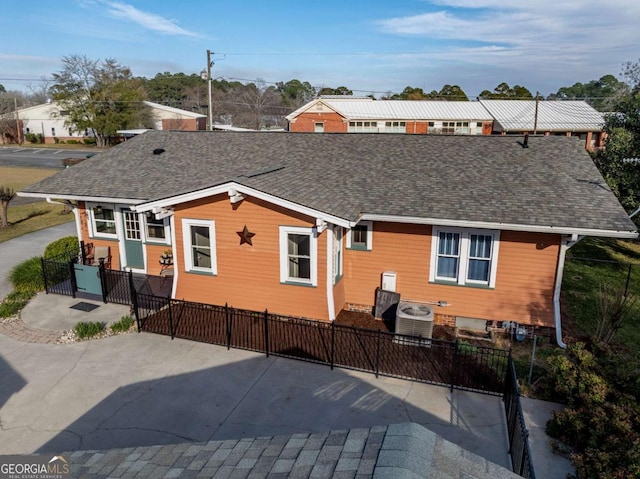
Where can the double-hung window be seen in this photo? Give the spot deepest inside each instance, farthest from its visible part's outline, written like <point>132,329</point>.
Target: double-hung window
<point>199,246</point>
<point>464,257</point>
<point>298,255</point>
<point>156,229</point>
<point>103,221</point>
<point>361,236</point>
<point>337,253</point>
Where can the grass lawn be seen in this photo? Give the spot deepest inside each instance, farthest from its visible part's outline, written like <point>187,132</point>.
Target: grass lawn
<point>33,216</point>
<point>589,265</point>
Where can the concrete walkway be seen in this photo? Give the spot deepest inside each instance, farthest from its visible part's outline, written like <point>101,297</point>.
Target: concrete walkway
<point>24,247</point>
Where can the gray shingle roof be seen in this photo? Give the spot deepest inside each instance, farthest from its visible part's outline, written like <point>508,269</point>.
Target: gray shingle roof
<point>463,178</point>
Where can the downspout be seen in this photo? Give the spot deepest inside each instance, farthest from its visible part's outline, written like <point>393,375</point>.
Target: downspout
<point>174,252</point>
<point>564,246</point>
<point>76,214</point>
<point>330,300</point>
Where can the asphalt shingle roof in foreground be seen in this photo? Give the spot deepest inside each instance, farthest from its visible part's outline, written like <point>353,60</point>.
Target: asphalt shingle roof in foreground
<point>552,183</point>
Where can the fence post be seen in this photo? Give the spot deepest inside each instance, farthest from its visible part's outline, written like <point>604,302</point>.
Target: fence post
<point>72,277</point>
<point>170,317</point>
<point>103,280</point>
<point>333,342</point>
<point>228,321</point>
<point>134,299</point>
<point>44,274</point>
<point>454,365</point>
<point>266,331</point>
<point>378,354</point>
<point>83,253</point>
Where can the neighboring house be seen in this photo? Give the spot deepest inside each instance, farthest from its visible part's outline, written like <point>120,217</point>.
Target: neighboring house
<point>568,118</point>
<point>345,114</point>
<point>48,120</point>
<point>305,225</point>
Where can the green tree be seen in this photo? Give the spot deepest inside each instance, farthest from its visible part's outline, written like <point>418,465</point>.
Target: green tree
<point>172,88</point>
<point>452,92</point>
<point>341,90</point>
<point>100,96</point>
<point>295,93</point>
<point>618,161</point>
<point>504,92</point>
<point>2,89</point>
<point>601,94</point>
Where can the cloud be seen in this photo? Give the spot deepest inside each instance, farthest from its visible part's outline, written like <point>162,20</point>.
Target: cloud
<point>148,20</point>
<point>563,38</point>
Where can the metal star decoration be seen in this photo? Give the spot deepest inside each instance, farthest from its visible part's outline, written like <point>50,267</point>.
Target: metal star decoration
<point>245,236</point>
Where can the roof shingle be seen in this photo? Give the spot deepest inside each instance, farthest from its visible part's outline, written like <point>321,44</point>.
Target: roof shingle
<point>464,178</point>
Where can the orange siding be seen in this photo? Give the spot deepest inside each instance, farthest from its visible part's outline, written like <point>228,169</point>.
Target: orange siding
<point>524,283</point>
<point>249,276</point>
<point>338,296</point>
<point>305,122</point>
<point>154,252</point>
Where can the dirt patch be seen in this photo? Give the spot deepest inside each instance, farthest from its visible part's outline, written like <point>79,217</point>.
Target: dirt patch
<point>362,320</point>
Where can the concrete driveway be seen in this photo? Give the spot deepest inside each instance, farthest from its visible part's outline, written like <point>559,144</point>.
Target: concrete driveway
<point>24,247</point>
<point>143,389</point>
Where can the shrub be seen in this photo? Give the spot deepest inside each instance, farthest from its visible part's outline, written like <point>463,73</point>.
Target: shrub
<point>61,246</point>
<point>89,141</point>
<point>27,276</point>
<point>14,302</point>
<point>34,138</point>
<point>73,142</point>
<point>123,325</point>
<point>88,329</point>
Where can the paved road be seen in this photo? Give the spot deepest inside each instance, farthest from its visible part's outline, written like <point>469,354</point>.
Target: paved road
<point>38,157</point>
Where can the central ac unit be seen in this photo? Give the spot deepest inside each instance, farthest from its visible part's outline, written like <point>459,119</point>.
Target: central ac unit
<point>414,319</point>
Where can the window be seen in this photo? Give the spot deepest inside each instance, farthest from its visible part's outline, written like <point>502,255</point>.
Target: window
<point>53,132</point>
<point>363,127</point>
<point>448,127</point>
<point>464,257</point>
<point>360,236</point>
<point>318,127</point>
<point>156,229</point>
<point>199,246</point>
<point>298,255</point>
<point>103,221</point>
<point>395,127</point>
<point>337,253</point>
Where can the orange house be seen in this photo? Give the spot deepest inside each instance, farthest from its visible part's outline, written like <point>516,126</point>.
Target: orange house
<point>307,225</point>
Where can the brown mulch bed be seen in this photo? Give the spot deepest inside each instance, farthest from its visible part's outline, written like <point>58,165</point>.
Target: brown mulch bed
<point>361,320</point>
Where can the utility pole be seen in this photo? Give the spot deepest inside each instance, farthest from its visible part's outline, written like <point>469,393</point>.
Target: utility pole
<point>15,104</point>
<point>210,111</point>
<point>535,118</point>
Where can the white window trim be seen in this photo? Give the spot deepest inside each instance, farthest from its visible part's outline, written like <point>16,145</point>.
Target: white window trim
<point>284,255</point>
<point>167,232</point>
<point>369,226</point>
<point>186,238</point>
<point>337,251</point>
<point>465,235</point>
<point>91,223</point>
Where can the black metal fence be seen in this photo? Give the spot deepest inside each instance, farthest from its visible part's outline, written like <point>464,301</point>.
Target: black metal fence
<point>519,450</point>
<point>59,276</point>
<point>446,363</point>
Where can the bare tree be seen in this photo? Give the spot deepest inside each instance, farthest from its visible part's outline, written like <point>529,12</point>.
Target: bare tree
<point>6,195</point>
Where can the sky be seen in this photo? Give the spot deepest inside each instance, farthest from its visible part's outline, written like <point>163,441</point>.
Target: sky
<point>369,46</point>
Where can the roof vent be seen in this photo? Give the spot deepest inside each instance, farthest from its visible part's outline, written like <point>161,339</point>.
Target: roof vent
<point>158,151</point>
<point>525,144</point>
